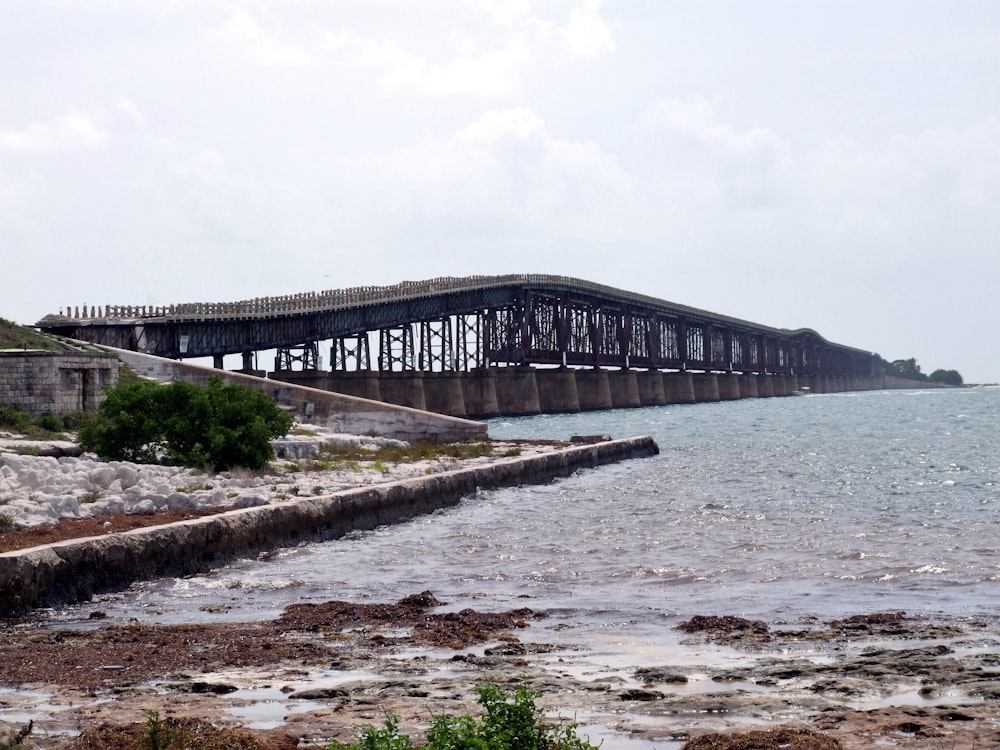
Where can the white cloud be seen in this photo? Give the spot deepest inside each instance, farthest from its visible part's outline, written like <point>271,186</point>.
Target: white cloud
<point>71,130</point>
<point>587,35</point>
<point>242,33</point>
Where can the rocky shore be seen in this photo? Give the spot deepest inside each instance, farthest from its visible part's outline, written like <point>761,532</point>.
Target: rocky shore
<point>323,671</point>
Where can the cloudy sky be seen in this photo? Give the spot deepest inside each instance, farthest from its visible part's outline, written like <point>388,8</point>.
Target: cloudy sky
<point>831,165</point>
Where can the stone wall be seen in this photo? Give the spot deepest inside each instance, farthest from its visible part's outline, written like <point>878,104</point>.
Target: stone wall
<point>41,382</point>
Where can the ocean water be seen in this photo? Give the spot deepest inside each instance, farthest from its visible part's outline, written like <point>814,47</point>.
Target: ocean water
<point>779,509</point>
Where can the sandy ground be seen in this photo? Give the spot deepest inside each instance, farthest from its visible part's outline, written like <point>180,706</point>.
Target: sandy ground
<point>321,672</point>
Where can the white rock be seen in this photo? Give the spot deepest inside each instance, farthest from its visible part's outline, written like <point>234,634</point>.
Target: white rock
<point>248,501</point>
<point>180,500</point>
<point>101,476</point>
<point>128,476</point>
<point>66,506</point>
<point>144,507</point>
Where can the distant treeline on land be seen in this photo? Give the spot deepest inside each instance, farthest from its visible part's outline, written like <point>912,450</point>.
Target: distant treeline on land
<point>909,369</point>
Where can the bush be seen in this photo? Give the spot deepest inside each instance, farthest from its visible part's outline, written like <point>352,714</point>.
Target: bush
<point>43,427</point>
<point>221,426</point>
<point>510,723</point>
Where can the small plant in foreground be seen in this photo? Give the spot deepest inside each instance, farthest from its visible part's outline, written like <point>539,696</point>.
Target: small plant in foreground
<point>510,722</point>
<point>16,740</point>
<point>159,734</point>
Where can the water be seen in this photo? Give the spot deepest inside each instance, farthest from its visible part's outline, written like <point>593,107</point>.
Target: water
<point>778,509</point>
<point>766,508</point>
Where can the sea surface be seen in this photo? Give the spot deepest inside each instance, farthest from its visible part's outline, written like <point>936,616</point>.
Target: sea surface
<point>779,508</point>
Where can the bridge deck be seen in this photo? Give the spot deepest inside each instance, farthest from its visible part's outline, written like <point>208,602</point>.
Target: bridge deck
<point>463,322</point>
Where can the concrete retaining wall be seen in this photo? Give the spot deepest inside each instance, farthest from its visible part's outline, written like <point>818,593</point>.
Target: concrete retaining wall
<point>74,571</point>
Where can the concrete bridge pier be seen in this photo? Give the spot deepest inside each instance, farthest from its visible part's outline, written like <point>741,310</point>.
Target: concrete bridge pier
<point>651,388</point>
<point>679,387</point>
<point>363,384</point>
<point>557,391</point>
<point>479,390</point>
<point>517,391</point>
<point>403,389</point>
<point>593,389</point>
<point>748,386</point>
<point>815,383</point>
<point>780,385</point>
<point>729,386</point>
<point>443,393</point>
<point>765,386</point>
<point>706,386</point>
<point>624,385</point>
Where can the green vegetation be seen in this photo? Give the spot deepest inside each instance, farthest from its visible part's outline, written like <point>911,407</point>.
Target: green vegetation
<point>910,370</point>
<point>13,336</point>
<point>218,426</point>
<point>343,456</point>
<point>44,427</point>
<point>159,734</point>
<point>509,723</point>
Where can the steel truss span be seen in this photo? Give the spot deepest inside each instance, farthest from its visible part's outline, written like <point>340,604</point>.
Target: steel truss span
<point>467,323</point>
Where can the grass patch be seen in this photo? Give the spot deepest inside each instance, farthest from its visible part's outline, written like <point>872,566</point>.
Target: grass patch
<point>343,456</point>
<point>14,336</point>
<point>43,427</point>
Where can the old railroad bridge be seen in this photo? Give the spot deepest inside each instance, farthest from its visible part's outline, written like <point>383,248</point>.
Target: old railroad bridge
<point>487,345</point>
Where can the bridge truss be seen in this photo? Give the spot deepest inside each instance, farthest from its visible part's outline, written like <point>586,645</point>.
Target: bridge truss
<point>463,324</point>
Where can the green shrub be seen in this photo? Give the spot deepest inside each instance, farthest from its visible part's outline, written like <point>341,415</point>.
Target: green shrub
<point>222,426</point>
<point>509,723</point>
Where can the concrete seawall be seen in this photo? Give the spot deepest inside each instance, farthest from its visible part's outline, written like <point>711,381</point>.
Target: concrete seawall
<point>76,570</point>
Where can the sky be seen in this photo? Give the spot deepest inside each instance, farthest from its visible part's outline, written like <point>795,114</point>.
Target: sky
<point>825,165</point>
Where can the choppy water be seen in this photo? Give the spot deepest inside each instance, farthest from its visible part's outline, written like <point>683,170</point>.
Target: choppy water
<point>767,508</point>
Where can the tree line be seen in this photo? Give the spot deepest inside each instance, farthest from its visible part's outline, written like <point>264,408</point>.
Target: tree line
<point>910,369</point>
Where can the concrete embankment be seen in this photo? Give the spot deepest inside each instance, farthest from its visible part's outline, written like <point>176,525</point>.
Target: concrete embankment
<point>74,571</point>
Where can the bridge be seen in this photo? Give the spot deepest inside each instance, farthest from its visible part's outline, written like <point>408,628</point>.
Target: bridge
<point>453,332</point>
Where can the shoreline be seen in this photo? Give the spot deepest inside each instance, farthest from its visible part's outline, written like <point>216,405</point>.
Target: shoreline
<point>76,570</point>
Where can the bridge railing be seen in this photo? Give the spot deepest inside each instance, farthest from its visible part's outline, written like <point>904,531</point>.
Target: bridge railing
<point>333,299</point>
<point>337,299</point>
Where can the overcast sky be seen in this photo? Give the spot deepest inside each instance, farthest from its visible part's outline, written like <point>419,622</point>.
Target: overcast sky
<point>829,164</point>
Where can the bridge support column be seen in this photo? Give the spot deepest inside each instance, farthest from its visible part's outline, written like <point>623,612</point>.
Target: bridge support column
<point>815,383</point>
<point>651,388</point>
<point>517,391</point>
<point>557,391</point>
<point>765,385</point>
<point>678,387</point>
<point>593,389</point>
<point>361,383</point>
<point>706,386</point>
<point>748,386</point>
<point>443,393</point>
<point>624,386</point>
<point>729,386</point>
<point>780,385</point>
<point>479,389</point>
<point>403,389</point>
<point>217,362</point>
<point>310,378</point>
